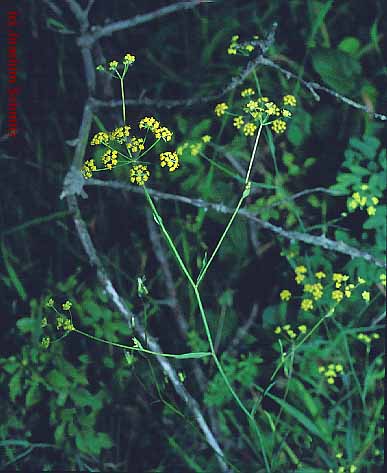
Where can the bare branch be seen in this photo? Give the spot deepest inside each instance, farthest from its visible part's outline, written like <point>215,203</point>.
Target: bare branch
<point>328,244</point>
<point>99,32</point>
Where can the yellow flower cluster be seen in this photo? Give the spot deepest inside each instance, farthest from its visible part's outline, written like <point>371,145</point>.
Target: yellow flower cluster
<point>164,133</point>
<point>285,295</point>
<point>249,129</point>
<point>120,133</point>
<point>88,168</point>
<point>287,329</point>
<point>196,148</point>
<point>109,158</point>
<point>339,278</point>
<point>300,273</point>
<point>358,200</point>
<point>289,100</point>
<point>64,323</point>
<point>238,121</point>
<point>362,337</point>
<point>139,174</point>
<point>320,275</point>
<point>100,138</point>
<point>45,342</point>
<point>307,304</point>
<point>169,159</point>
<point>135,144</point>
<point>366,296</point>
<point>129,59</point>
<point>331,371</point>
<point>316,290</point>
<point>382,279</point>
<point>278,126</point>
<point>206,138</point>
<point>341,469</point>
<point>244,49</point>
<point>113,65</point>
<point>247,92</point>
<point>149,123</point>
<point>220,109</point>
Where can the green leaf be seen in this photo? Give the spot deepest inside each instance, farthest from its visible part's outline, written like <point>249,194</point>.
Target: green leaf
<point>349,45</point>
<point>33,395</point>
<point>198,354</point>
<point>26,324</point>
<point>15,385</point>
<point>57,380</point>
<point>17,284</point>
<point>337,69</point>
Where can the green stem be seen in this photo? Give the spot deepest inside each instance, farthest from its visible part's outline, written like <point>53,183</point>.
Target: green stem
<point>123,99</point>
<point>234,214</point>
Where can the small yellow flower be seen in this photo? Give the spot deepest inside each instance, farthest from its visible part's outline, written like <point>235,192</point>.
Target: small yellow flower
<point>277,330</point>
<point>238,122</point>
<point>273,109</point>
<point>286,327</point>
<point>339,368</point>
<point>321,369</point>
<point>286,113</point>
<point>382,279</point>
<point>206,138</point>
<point>139,174</point>
<point>352,468</point>
<point>164,133</point>
<point>249,129</point>
<point>375,336</point>
<point>220,109</point>
<point>45,342</point>
<point>364,187</point>
<point>307,304</point>
<point>149,123</point>
<point>285,295</point>
<point>375,200</point>
<point>88,168</point>
<point>67,305</point>
<point>339,455</point>
<point>109,158</point>
<point>50,303</point>
<point>136,145</point>
<point>43,322</point>
<point>113,65</point>
<point>196,148</point>
<point>320,275</point>
<point>330,380</point>
<point>68,325</point>
<point>129,59</point>
<point>366,296</point>
<point>337,295</point>
<point>299,278</point>
<point>289,100</point>
<point>341,469</point>
<point>302,328</point>
<point>99,138</point>
<point>120,133</point>
<point>59,322</point>
<point>371,210</point>
<point>292,334</point>
<point>300,269</point>
<point>361,280</point>
<point>252,106</point>
<point>169,159</point>
<point>247,92</point>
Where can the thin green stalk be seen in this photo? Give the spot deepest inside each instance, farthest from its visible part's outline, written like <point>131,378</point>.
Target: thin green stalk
<point>234,214</point>
<point>123,99</point>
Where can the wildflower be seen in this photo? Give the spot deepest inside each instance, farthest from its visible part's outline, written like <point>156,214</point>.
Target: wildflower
<point>232,49</point>
<point>382,279</point>
<point>361,280</point>
<point>67,305</point>
<point>206,138</point>
<point>339,368</point>
<point>135,144</point>
<point>59,322</point>
<point>45,342</point>
<point>139,174</point>
<point>330,380</point>
<point>247,92</point>
<point>302,328</point>
<point>220,109</point>
<point>286,327</point>
<point>251,106</point>
<point>277,330</point>
<point>238,122</point>
<point>320,275</point>
<point>348,290</point>
<point>364,187</point>
<point>249,129</point>
<point>99,138</point>
<point>300,270</point>
<point>196,148</point>
<point>307,304</point>
<point>249,48</point>
<point>352,468</point>
<point>163,133</point>
<point>289,100</point>
<point>339,278</point>
<point>371,210</point>
<point>170,159</point>
<point>129,59</point>
<point>43,322</point>
<point>113,65</point>
<point>88,168</point>
<point>366,296</point>
<point>317,291</point>
<point>375,336</point>
<point>337,295</point>
<point>68,325</point>
<point>272,109</point>
<point>339,455</point>
<point>109,158</point>
<point>120,133</point>
<point>285,295</point>
<point>292,334</point>
<point>375,200</point>
<point>149,123</point>
<point>278,126</point>
<point>286,113</point>
<point>321,369</point>
<point>50,303</point>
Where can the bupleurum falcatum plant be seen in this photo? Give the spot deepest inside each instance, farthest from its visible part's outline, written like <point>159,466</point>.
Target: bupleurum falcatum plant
<point>319,292</point>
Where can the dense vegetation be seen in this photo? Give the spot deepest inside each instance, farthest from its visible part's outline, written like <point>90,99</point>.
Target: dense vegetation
<point>277,111</point>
